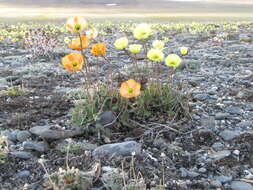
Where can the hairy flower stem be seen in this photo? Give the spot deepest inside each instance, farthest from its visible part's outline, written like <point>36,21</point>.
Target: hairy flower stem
<point>144,43</point>
<point>109,71</point>
<point>171,73</point>
<point>86,85</point>
<point>136,64</point>
<point>153,71</point>
<point>87,68</point>
<point>110,77</point>
<point>134,60</point>
<point>97,73</point>
<point>157,69</point>
<point>149,72</point>
<point>107,60</point>
<point>87,76</point>
<point>110,67</point>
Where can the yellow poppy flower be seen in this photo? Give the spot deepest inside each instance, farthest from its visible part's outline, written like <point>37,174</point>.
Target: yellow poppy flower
<point>158,44</point>
<point>121,43</point>
<point>135,48</point>
<point>142,31</point>
<point>183,50</point>
<point>173,60</point>
<point>155,55</point>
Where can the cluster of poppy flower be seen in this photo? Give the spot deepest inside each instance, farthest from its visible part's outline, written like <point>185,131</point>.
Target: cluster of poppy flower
<point>75,61</point>
<point>142,32</point>
<point>130,88</point>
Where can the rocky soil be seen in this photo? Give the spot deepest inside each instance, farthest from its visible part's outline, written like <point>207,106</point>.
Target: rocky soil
<point>213,150</point>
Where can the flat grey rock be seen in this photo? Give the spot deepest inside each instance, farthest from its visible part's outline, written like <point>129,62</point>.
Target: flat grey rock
<point>240,185</point>
<point>23,174</point>
<point>223,179</point>
<point>22,155</point>
<point>46,132</point>
<point>222,116</point>
<point>106,118</point>
<point>10,135</point>
<point>36,146</point>
<point>23,136</point>
<point>215,183</point>
<point>234,110</point>
<point>117,149</point>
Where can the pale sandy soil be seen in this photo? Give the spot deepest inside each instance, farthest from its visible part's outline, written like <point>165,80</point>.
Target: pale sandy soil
<point>117,9</point>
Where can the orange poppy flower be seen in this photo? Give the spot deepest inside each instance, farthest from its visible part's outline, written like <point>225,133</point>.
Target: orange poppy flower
<point>98,49</point>
<point>73,61</point>
<point>76,24</point>
<point>130,89</point>
<point>76,44</point>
